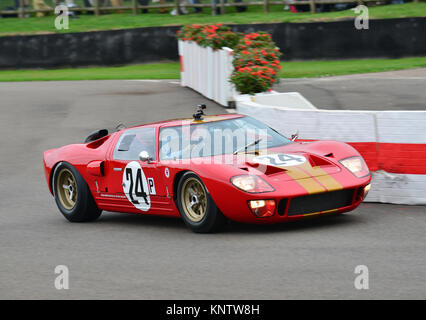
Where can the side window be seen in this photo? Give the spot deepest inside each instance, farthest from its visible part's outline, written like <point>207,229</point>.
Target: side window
<point>125,143</point>
<point>170,143</point>
<point>133,141</point>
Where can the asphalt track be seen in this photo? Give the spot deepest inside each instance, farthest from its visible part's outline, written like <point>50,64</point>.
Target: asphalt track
<point>392,90</point>
<point>124,256</point>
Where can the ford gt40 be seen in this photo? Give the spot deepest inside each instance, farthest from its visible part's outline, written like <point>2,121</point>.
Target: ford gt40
<point>207,170</point>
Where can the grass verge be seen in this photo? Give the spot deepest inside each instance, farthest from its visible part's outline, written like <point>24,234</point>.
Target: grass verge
<point>252,15</point>
<point>171,70</point>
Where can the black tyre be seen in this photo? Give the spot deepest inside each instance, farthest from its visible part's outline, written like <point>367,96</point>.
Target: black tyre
<point>72,194</point>
<point>196,206</point>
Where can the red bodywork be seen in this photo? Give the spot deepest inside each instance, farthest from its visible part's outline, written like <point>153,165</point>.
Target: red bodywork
<point>102,173</point>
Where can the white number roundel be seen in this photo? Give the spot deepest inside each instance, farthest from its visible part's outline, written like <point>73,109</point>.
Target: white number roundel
<point>135,186</point>
<point>280,160</point>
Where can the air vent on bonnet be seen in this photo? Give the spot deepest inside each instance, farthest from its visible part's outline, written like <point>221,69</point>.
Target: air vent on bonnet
<point>273,170</point>
<point>316,161</point>
<point>267,170</point>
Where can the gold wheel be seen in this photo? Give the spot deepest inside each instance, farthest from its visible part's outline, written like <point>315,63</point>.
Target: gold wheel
<point>194,199</point>
<point>66,188</point>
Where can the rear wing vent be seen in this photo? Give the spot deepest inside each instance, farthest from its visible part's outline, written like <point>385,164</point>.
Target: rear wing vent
<point>97,143</point>
<point>95,135</point>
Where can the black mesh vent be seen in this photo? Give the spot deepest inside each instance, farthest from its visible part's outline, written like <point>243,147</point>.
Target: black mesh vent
<point>320,202</point>
<point>282,206</point>
<point>359,193</point>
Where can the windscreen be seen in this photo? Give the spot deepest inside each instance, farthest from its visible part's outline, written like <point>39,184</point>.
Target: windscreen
<point>217,138</point>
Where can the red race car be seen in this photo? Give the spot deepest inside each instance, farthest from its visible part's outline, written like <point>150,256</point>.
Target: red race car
<point>206,169</point>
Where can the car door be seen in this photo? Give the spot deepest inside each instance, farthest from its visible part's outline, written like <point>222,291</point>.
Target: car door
<point>140,182</point>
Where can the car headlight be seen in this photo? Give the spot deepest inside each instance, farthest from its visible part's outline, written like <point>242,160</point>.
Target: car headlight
<point>366,190</point>
<point>356,165</point>
<point>262,208</point>
<point>251,184</point>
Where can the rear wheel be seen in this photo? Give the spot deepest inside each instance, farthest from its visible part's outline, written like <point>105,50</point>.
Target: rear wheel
<point>196,206</point>
<point>72,195</point>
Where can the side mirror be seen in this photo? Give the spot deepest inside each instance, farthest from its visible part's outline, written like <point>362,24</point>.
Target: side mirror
<point>144,156</point>
<point>295,136</point>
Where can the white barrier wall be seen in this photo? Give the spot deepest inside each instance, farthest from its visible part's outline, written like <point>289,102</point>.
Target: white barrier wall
<point>392,142</point>
<point>398,188</point>
<point>272,99</point>
<point>401,126</point>
<point>349,126</point>
<point>207,71</point>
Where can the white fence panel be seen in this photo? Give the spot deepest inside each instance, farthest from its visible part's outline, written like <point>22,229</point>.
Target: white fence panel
<point>207,71</point>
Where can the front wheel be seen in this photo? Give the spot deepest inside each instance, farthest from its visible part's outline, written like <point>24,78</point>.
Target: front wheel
<point>72,195</point>
<point>196,206</point>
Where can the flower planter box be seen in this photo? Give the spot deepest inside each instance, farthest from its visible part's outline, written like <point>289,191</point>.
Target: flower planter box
<point>207,71</point>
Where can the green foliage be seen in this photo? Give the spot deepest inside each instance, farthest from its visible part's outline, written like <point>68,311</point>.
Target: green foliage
<point>251,80</point>
<point>171,70</point>
<point>215,36</point>
<point>256,63</point>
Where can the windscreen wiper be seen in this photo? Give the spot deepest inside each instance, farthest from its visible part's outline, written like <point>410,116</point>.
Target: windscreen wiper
<point>248,146</point>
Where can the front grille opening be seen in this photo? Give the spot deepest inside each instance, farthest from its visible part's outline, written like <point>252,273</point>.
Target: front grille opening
<point>320,202</point>
<point>359,194</point>
<point>282,205</point>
